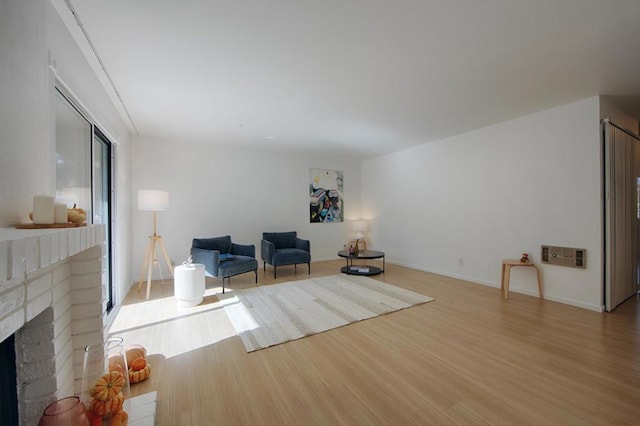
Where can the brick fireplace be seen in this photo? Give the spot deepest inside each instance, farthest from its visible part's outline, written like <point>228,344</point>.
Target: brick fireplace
<point>52,300</point>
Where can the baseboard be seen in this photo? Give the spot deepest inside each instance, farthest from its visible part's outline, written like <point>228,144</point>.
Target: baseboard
<point>446,274</point>
<point>472,280</point>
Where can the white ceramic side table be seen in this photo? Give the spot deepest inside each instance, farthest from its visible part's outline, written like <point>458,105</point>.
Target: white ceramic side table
<point>189,284</point>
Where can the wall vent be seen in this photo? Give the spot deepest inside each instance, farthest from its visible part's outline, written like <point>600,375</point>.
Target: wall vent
<point>564,256</point>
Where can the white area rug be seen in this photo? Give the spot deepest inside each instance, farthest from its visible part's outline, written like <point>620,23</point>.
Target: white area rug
<point>273,314</point>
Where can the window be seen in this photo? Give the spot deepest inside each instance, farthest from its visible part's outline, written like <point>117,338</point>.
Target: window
<point>84,170</point>
<point>73,156</point>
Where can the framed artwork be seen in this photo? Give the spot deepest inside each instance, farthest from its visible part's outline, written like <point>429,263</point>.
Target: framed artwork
<point>325,196</point>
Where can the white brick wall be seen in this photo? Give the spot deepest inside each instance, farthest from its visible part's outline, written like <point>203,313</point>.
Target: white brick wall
<point>52,298</point>
<point>3,261</point>
<point>17,257</point>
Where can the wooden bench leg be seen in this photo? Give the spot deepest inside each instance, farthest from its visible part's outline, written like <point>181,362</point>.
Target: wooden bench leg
<point>540,284</point>
<point>507,274</point>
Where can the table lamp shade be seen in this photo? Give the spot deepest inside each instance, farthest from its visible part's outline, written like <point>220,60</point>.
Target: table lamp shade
<point>150,199</point>
<point>359,227</point>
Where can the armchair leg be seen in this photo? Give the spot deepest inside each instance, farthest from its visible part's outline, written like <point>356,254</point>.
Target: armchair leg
<point>256,272</point>
<point>222,285</point>
<point>264,266</point>
<point>309,268</point>
<point>274,271</point>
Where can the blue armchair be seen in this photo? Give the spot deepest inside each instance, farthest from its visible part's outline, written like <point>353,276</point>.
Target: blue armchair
<point>223,259</point>
<point>284,248</point>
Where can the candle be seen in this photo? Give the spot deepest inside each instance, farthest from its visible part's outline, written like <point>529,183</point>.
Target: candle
<point>43,209</point>
<point>60,213</point>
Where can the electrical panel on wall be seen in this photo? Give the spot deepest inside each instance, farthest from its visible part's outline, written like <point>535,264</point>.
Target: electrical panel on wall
<point>564,256</point>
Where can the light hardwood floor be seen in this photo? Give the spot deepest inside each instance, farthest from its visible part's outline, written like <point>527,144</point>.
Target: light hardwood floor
<point>469,357</point>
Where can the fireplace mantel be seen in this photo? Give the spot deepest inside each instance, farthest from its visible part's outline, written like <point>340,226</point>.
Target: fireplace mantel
<point>55,277</point>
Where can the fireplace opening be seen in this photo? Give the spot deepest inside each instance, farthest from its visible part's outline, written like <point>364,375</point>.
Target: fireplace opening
<point>8,382</point>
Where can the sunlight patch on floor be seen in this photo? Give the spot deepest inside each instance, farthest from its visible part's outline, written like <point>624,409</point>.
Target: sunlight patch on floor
<point>241,315</point>
<point>165,329</point>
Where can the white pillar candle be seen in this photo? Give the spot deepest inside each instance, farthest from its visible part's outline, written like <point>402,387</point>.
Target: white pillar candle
<point>60,213</point>
<point>43,209</point>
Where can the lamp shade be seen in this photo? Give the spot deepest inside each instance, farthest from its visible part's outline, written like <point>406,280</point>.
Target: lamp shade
<point>359,227</point>
<point>151,199</point>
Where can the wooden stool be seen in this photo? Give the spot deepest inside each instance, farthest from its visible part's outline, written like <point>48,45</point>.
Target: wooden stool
<point>506,272</point>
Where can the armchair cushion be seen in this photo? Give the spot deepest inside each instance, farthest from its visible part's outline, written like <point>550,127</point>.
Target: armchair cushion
<point>237,265</point>
<point>290,256</point>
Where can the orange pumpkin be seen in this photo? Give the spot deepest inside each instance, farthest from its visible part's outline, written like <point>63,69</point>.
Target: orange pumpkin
<point>135,351</point>
<point>103,408</point>
<point>94,419</point>
<point>108,386</point>
<point>138,364</point>
<point>136,376</point>
<point>120,418</point>
<point>115,364</point>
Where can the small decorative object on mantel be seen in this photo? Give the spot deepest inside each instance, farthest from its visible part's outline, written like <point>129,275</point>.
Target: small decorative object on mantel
<point>77,215</point>
<point>524,258</point>
<point>52,225</point>
<point>43,209</point>
<point>60,213</point>
<point>63,217</point>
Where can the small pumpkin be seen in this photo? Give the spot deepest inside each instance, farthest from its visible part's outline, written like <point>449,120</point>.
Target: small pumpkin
<point>94,419</point>
<point>135,351</point>
<point>77,215</point>
<point>116,363</point>
<point>108,386</point>
<point>136,376</point>
<point>119,418</point>
<point>104,408</point>
<point>138,364</point>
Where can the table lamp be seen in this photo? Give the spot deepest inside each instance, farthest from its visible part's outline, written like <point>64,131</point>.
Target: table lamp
<point>154,201</point>
<point>359,228</point>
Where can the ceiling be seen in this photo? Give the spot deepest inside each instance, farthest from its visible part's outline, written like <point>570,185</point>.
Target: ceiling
<point>359,78</point>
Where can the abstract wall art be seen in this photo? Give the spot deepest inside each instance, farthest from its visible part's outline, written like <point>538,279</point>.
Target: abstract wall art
<point>325,196</point>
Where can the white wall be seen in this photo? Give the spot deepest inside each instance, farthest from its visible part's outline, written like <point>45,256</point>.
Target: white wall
<point>31,37</point>
<point>26,150</point>
<point>216,190</point>
<point>461,205</point>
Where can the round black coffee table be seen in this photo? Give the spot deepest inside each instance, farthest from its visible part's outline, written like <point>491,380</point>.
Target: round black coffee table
<point>352,269</point>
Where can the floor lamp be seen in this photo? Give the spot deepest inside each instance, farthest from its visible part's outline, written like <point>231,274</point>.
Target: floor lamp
<point>152,200</point>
